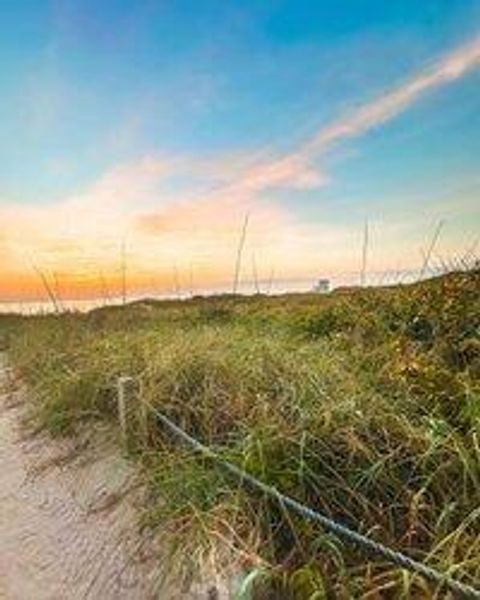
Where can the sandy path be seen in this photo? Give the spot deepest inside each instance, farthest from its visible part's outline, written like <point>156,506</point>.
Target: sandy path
<point>66,532</point>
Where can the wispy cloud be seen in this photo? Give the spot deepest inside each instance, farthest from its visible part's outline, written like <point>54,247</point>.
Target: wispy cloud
<point>293,170</point>
<point>386,107</point>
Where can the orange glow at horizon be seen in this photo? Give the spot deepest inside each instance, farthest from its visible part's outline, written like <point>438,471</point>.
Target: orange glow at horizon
<point>76,245</point>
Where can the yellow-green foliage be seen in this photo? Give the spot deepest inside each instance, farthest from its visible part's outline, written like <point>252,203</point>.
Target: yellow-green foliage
<point>363,404</point>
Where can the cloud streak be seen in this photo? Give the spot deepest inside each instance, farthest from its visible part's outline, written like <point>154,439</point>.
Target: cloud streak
<point>386,107</point>
<point>295,168</point>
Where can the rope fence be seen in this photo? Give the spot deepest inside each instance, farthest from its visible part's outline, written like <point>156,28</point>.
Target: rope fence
<point>350,536</point>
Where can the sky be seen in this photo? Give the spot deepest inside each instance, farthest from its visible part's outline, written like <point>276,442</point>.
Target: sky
<point>135,136</point>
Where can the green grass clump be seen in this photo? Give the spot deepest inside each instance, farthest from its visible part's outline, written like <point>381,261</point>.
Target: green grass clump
<point>363,404</point>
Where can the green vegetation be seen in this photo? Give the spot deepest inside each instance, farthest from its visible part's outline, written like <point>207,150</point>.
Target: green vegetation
<point>363,404</point>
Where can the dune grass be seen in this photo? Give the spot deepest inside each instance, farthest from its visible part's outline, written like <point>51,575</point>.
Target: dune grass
<point>363,404</point>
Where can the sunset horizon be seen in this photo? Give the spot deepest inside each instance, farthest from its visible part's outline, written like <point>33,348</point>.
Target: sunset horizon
<point>129,147</point>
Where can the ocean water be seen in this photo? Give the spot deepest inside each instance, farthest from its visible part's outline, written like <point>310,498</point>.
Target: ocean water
<point>272,287</point>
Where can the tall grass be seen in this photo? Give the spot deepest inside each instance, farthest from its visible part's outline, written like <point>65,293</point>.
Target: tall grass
<point>363,404</point>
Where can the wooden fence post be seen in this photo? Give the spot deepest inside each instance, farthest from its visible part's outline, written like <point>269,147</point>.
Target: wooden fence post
<point>122,405</point>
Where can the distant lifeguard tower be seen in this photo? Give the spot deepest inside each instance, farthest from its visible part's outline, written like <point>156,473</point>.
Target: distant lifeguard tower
<point>322,286</point>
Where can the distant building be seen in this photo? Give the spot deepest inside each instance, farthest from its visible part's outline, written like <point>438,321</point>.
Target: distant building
<point>322,286</point>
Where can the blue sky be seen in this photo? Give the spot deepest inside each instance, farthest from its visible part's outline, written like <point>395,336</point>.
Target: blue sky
<point>88,88</point>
